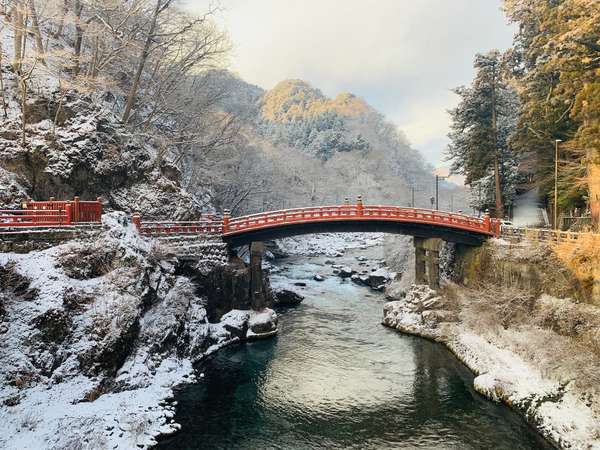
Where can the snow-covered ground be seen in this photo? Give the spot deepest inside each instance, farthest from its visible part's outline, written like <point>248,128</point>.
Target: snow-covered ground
<point>94,336</point>
<point>328,244</point>
<point>518,366</point>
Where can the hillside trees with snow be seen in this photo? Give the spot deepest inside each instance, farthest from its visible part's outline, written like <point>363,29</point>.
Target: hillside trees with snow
<point>556,70</point>
<point>482,125</point>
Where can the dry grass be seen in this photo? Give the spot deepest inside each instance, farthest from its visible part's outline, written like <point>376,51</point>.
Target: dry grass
<point>582,257</point>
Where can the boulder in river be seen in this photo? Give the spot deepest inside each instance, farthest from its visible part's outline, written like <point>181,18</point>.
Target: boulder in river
<point>346,272</point>
<point>287,297</point>
<point>378,277</point>
<point>300,283</point>
<point>318,277</point>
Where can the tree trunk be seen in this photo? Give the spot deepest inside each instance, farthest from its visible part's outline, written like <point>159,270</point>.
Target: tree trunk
<point>142,62</point>
<point>2,85</point>
<point>78,38</point>
<point>17,20</point>
<point>36,32</point>
<point>498,186</point>
<point>61,24</point>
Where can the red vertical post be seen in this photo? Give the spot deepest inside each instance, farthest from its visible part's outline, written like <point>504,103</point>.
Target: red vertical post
<point>68,213</point>
<point>75,217</point>
<point>487,223</point>
<point>359,205</point>
<point>99,216</point>
<point>137,221</point>
<point>226,217</point>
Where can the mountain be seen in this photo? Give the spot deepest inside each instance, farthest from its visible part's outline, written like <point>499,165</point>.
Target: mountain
<point>299,147</point>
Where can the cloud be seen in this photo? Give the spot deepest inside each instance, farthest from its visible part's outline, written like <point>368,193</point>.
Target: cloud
<point>401,56</point>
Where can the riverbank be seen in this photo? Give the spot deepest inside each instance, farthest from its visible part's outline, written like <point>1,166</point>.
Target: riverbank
<point>96,333</point>
<point>536,354</point>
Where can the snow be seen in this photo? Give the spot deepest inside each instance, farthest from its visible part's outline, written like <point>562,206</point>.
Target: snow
<point>328,244</point>
<point>59,393</point>
<point>555,406</point>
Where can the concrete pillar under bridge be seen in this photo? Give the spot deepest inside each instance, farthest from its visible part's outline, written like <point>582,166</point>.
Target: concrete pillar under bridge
<point>258,296</point>
<point>427,261</point>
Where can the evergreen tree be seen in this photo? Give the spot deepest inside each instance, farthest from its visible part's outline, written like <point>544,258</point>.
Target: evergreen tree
<point>556,65</point>
<point>481,126</point>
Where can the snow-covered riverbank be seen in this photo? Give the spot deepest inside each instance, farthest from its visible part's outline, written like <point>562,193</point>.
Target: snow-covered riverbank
<point>94,336</point>
<point>535,371</point>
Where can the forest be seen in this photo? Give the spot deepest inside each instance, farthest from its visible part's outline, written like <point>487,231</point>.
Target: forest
<point>158,75</point>
<point>531,103</point>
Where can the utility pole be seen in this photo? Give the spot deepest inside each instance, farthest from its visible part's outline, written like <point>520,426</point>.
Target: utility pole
<point>556,142</point>
<point>412,203</point>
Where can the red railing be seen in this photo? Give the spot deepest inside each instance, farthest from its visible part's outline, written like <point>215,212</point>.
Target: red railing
<point>228,226</point>
<point>360,213</point>
<point>29,218</point>
<point>81,211</point>
<point>52,213</point>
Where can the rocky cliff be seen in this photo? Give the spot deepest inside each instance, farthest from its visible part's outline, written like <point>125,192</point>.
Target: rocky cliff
<point>96,332</point>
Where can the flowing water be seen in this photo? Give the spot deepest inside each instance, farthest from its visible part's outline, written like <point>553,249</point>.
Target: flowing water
<point>335,378</point>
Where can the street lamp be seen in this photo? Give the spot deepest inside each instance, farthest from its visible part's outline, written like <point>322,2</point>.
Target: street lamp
<point>556,142</point>
<point>437,190</point>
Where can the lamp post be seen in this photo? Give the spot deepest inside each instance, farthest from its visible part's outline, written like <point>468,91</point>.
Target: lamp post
<point>437,190</point>
<point>556,142</point>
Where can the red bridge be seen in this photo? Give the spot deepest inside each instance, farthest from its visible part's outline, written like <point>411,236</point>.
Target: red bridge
<point>243,230</point>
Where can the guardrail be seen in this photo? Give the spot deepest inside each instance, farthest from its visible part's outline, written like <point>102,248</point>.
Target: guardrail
<point>81,210</point>
<point>544,235</point>
<point>206,225</point>
<point>33,218</point>
<point>52,213</point>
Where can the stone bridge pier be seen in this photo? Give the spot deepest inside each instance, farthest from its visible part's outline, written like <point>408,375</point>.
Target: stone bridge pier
<point>427,261</point>
<point>258,296</point>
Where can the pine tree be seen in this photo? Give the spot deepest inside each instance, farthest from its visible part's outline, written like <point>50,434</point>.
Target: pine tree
<point>481,125</point>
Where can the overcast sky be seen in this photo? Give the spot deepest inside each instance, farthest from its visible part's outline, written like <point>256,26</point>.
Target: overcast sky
<point>401,56</point>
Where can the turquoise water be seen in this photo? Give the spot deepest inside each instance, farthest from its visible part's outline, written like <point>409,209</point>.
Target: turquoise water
<point>334,378</point>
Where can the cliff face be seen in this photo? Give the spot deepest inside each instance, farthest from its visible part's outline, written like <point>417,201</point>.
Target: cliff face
<point>74,144</point>
<point>97,331</point>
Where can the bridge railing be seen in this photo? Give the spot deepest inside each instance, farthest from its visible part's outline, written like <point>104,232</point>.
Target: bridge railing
<point>81,210</point>
<point>227,225</point>
<point>33,218</point>
<point>360,212</point>
<point>208,225</point>
<point>52,213</point>
<point>545,235</point>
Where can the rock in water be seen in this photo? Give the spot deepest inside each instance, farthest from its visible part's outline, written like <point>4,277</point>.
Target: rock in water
<point>318,277</point>
<point>287,297</point>
<point>346,272</point>
<point>378,278</point>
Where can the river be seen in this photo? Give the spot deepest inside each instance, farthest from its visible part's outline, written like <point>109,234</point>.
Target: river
<point>335,378</point>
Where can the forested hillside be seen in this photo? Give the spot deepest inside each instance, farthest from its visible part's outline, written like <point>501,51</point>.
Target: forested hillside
<point>539,98</point>
<point>297,147</point>
<point>130,101</point>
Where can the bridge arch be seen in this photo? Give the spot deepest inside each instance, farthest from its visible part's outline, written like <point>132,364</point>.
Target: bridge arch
<point>421,223</point>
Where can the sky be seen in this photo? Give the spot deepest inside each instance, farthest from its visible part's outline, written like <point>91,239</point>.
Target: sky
<point>401,56</point>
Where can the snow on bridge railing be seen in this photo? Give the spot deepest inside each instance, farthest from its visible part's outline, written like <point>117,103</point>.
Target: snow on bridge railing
<point>359,212</point>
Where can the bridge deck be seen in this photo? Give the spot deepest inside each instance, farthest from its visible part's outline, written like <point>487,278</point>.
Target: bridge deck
<point>274,224</point>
